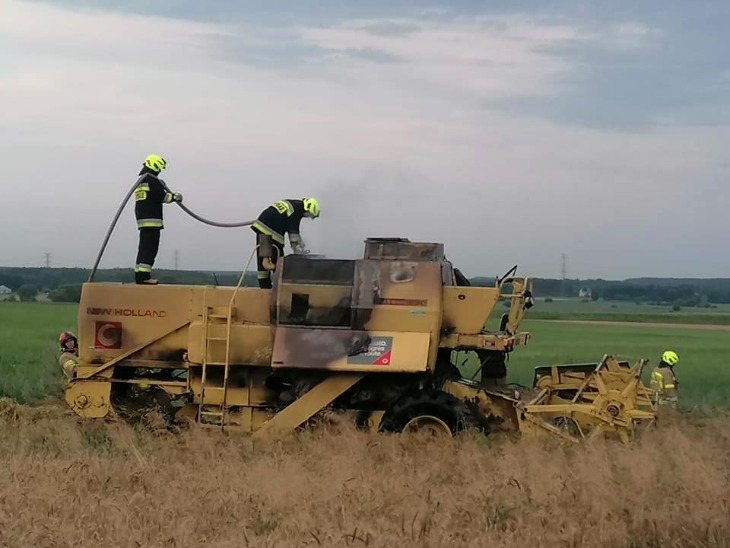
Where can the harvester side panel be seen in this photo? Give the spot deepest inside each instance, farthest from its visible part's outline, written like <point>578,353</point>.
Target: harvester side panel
<point>466,309</point>
<point>116,318</point>
<point>250,304</point>
<point>346,350</point>
<point>250,343</point>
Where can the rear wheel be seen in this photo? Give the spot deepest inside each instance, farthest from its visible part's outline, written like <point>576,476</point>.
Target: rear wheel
<point>427,424</point>
<point>428,410</point>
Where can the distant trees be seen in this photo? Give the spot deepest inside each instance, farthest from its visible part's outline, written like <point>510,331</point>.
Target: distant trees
<point>64,285</point>
<point>27,292</point>
<point>8,279</point>
<point>70,293</point>
<point>665,291</point>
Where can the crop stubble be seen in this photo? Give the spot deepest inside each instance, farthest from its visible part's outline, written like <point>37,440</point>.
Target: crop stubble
<point>65,482</point>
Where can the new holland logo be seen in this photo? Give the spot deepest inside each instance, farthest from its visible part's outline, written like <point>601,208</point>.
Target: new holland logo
<point>126,312</point>
<point>108,335</point>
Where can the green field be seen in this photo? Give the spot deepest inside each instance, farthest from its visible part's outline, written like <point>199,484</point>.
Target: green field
<point>575,309</point>
<point>29,371</point>
<point>704,369</point>
<point>29,368</point>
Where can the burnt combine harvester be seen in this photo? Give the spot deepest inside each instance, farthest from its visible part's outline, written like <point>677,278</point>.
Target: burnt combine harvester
<point>371,339</point>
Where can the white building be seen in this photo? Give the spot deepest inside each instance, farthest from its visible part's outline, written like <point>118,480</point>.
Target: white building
<point>5,290</point>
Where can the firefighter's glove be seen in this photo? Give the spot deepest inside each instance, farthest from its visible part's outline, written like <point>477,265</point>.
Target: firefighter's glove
<point>297,245</point>
<point>177,197</point>
<point>299,249</point>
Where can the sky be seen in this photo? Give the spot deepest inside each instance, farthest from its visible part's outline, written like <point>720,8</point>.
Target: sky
<point>513,132</point>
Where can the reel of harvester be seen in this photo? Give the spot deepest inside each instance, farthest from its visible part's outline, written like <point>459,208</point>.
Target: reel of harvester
<point>577,403</point>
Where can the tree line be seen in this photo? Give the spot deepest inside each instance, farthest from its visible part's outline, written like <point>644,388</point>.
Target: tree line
<point>64,284</point>
<point>674,291</point>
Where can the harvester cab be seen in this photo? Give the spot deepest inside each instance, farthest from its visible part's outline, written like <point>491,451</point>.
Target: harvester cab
<point>372,339</point>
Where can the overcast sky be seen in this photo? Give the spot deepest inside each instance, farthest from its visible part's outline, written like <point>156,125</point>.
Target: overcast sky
<point>513,132</point>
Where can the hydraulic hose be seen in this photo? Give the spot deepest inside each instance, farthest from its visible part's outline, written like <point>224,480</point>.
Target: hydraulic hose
<point>184,208</point>
<point>213,223</point>
<point>203,219</point>
<point>109,232</point>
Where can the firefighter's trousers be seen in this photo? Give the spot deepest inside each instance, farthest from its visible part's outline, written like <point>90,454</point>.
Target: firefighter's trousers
<point>149,244</point>
<point>263,275</point>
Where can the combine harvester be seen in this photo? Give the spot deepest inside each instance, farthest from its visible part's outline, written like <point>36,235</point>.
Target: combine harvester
<point>371,339</point>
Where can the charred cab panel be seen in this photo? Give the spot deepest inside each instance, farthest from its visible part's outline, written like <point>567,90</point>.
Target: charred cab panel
<point>380,313</point>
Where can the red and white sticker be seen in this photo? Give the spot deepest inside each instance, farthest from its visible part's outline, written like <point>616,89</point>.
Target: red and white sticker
<point>108,335</point>
<point>378,352</point>
<point>383,360</point>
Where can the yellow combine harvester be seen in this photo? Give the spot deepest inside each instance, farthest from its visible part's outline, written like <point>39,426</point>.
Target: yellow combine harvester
<point>371,338</point>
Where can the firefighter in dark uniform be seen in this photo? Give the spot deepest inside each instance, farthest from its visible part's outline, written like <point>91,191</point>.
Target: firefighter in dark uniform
<point>150,194</point>
<point>274,222</point>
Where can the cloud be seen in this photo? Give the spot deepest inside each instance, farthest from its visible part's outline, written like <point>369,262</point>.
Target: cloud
<point>394,123</point>
<point>486,59</point>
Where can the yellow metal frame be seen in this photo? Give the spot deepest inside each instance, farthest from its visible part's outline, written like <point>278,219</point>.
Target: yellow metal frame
<point>309,404</point>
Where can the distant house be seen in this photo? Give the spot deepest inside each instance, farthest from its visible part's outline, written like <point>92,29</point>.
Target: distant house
<point>585,293</point>
<point>4,290</point>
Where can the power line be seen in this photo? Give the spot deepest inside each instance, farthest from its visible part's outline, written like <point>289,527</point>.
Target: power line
<point>177,259</point>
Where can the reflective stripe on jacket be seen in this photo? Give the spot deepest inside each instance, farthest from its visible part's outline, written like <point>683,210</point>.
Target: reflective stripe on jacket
<point>149,195</point>
<point>664,383</point>
<point>68,362</point>
<point>280,218</point>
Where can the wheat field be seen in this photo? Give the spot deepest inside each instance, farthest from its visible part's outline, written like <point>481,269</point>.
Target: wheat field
<point>65,482</point>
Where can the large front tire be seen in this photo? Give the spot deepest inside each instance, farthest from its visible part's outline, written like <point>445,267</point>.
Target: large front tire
<point>430,410</point>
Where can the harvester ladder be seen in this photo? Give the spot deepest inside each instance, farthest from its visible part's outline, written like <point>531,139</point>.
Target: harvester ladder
<point>219,313</point>
<point>214,315</point>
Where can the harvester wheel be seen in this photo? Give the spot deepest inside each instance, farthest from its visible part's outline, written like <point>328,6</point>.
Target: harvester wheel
<point>428,424</point>
<point>428,409</point>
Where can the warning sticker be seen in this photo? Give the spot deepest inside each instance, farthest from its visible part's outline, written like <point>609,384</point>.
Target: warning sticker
<point>378,353</point>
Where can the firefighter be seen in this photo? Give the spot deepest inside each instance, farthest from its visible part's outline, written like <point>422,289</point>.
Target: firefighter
<point>274,222</point>
<point>69,353</point>
<point>663,381</point>
<point>150,194</point>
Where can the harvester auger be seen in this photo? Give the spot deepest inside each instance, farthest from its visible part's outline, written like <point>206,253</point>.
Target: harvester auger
<point>371,339</point>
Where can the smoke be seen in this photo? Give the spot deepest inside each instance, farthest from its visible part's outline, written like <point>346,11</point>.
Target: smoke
<point>378,202</point>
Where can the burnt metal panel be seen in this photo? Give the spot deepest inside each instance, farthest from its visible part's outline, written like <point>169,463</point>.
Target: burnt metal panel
<point>366,292</point>
<point>302,269</point>
<point>403,249</point>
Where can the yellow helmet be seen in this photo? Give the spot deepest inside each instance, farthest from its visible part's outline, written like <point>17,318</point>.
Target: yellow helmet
<point>155,163</point>
<point>311,206</point>
<point>670,357</point>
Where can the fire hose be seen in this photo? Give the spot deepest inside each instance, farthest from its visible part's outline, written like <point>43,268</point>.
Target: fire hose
<point>184,208</point>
